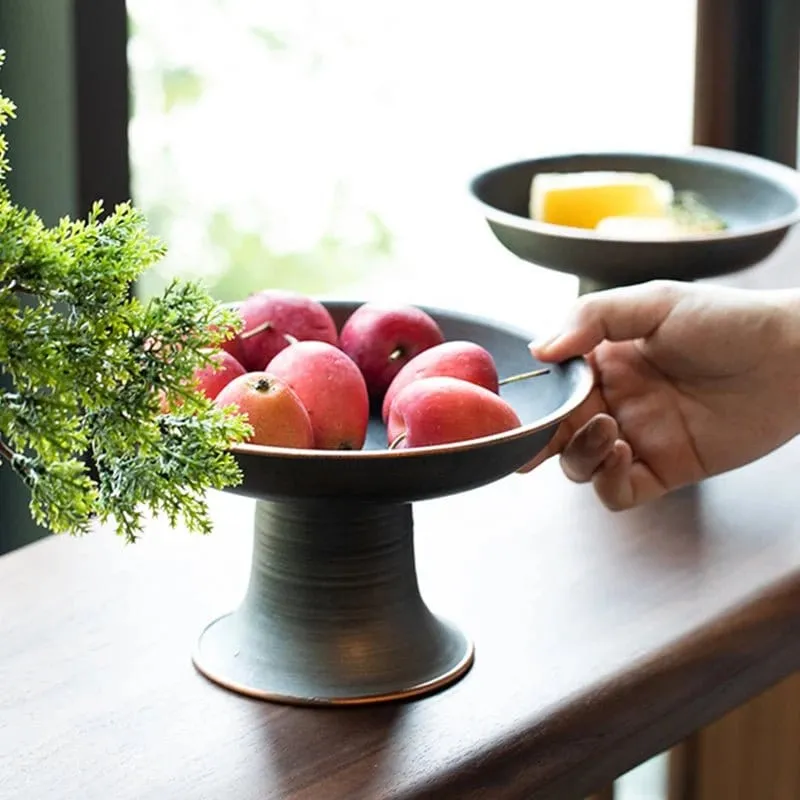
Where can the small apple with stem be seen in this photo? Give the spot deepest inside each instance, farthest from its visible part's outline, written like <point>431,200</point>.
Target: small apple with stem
<point>274,412</point>
<point>381,339</point>
<point>331,388</point>
<point>454,359</point>
<point>443,410</point>
<point>273,319</point>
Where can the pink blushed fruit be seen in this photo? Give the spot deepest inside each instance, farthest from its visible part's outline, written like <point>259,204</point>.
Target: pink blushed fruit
<point>454,359</point>
<point>381,339</point>
<point>213,377</point>
<point>443,410</point>
<point>331,388</point>
<point>273,318</point>
<point>274,411</point>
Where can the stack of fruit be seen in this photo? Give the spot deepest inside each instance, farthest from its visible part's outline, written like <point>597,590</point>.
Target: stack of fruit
<point>303,384</point>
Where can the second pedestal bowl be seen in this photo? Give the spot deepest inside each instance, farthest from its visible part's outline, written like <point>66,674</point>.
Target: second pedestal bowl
<point>758,199</point>
<point>333,613</point>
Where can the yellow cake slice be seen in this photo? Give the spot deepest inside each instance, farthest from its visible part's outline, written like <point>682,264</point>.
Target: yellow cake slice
<point>583,199</point>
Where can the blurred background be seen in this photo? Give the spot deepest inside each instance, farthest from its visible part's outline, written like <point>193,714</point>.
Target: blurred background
<point>327,146</point>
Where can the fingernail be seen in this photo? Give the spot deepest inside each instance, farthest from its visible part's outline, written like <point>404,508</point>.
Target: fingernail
<point>612,459</point>
<point>542,343</point>
<point>596,436</point>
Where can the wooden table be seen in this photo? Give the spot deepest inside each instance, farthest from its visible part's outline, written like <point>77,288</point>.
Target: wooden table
<point>602,639</point>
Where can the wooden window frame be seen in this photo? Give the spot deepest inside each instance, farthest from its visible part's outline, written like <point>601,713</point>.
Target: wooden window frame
<point>102,102</point>
<point>747,77</point>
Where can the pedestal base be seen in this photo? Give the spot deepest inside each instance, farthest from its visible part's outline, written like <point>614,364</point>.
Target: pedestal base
<point>333,613</point>
<point>227,655</point>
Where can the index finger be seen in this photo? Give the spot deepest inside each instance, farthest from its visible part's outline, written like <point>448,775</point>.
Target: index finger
<point>620,314</point>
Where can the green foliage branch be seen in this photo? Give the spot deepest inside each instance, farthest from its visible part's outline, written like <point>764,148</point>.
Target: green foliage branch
<point>89,374</point>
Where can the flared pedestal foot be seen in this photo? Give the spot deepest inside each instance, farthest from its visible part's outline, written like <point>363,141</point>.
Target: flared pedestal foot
<point>333,613</point>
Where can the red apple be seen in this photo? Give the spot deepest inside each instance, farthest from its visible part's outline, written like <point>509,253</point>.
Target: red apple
<point>331,388</point>
<point>212,377</point>
<point>381,339</point>
<point>274,411</point>
<point>273,318</point>
<point>231,346</point>
<point>454,359</point>
<point>444,410</point>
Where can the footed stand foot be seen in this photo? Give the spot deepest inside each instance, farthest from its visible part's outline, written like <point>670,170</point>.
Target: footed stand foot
<point>332,613</point>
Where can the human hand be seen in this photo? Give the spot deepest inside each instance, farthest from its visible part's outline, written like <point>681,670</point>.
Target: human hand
<point>691,381</point>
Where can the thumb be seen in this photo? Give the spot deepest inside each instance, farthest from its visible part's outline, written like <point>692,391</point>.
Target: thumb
<point>628,312</point>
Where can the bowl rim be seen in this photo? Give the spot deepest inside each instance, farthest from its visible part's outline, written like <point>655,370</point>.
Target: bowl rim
<point>583,386</point>
<point>778,174</point>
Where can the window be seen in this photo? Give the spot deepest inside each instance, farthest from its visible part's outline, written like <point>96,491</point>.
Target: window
<point>327,147</point>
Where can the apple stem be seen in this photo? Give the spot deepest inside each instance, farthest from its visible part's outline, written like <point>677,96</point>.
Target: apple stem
<point>264,326</point>
<point>396,354</point>
<point>523,376</point>
<point>396,441</point>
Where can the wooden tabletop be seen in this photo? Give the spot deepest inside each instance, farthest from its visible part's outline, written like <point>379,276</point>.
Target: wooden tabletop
<point>601,639</point>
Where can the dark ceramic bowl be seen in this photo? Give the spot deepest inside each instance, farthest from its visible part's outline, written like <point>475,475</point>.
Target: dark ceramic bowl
<point>758,199</point>
<point>333,614</point>
<point>390,476</point>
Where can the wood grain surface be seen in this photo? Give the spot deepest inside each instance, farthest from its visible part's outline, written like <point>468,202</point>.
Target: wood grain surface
<point>752,753</point>
<point>601,639</point>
